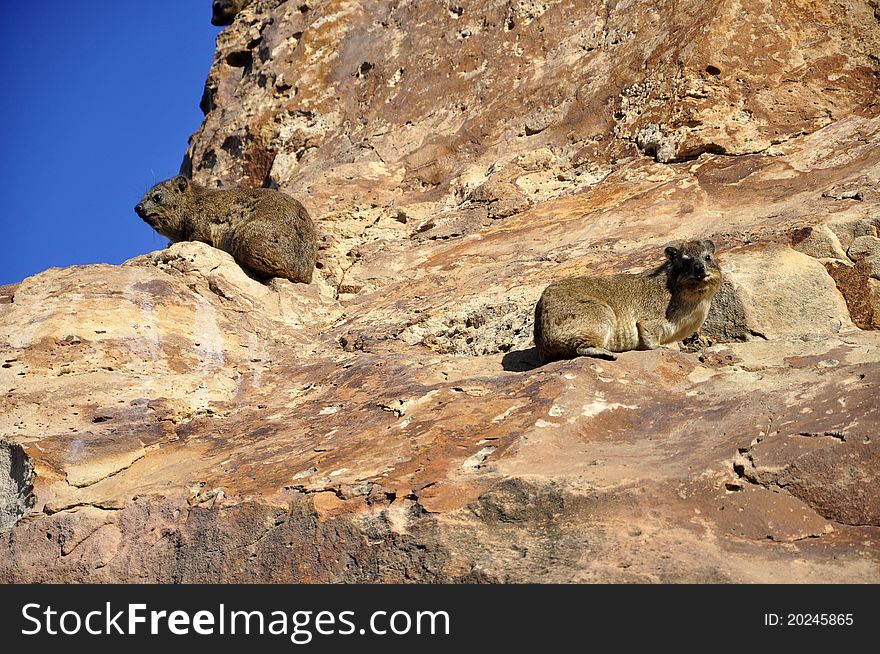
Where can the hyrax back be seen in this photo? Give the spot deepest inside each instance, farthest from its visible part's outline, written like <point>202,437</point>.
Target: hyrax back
<point>598,316</point>
<point>268,232</point>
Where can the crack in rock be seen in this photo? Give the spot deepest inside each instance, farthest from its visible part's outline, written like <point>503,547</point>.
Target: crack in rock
<point>16,484</point>
<point>839,481</point>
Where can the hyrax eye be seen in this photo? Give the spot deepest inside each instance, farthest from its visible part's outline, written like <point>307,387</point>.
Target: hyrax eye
<point>708,257</point>
<point>158,197</point>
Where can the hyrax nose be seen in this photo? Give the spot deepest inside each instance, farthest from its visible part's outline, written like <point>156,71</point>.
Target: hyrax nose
<point>139,209</point>
<point>699,269</point>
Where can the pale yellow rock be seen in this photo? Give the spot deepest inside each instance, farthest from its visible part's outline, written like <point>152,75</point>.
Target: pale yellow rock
<point>786,293</point>
<point>822,243</point>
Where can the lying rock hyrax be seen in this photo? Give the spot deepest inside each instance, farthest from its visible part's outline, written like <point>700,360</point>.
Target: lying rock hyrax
<point>266,231</point>
<point>597,316</point>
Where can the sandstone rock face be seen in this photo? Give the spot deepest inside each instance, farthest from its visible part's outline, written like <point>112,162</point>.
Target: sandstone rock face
<point>172,419</point>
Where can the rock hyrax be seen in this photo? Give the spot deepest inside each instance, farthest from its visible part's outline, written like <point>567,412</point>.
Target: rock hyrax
<point>598,316</point>
<point>266,231</point>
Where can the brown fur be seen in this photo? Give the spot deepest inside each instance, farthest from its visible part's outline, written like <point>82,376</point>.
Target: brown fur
<point>598,316</point>
<point>268,232</point>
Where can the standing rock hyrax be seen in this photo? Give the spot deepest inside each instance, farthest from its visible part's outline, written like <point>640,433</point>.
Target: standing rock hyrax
<point>266,231</point>
<point>597,316</point>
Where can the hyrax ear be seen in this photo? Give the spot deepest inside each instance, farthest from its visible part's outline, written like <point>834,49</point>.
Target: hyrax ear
<point>671,252</point>
<point>709,245</point>
<point>181,183</point>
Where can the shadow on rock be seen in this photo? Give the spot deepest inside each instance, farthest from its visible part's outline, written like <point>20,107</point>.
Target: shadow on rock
<point>521,360</point>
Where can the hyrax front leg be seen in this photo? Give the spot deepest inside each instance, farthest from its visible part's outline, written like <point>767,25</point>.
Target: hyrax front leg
<point>648,334</point>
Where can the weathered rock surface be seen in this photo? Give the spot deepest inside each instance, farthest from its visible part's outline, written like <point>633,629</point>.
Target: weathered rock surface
<point>172,419</point>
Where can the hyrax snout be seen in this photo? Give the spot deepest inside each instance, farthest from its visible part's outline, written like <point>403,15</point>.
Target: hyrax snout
<point>598,316</point>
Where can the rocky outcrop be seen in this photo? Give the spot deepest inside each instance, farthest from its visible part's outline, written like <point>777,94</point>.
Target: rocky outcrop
<point>172,419</point>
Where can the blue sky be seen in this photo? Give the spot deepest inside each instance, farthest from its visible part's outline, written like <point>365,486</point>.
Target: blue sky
<point>99,99</point>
